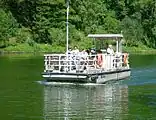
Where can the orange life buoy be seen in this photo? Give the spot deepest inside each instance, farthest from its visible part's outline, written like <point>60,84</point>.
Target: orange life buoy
<point>99,60</point>
<point>125,61</point>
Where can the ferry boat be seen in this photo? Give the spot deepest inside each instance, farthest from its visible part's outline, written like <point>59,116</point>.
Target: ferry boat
<point>68,68</point>
<point>99,67</point>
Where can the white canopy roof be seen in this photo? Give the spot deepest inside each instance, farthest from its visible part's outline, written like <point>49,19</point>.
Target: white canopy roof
<point>106,36</point>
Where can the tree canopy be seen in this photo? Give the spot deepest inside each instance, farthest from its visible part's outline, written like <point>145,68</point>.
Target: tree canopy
<point>44,21</point>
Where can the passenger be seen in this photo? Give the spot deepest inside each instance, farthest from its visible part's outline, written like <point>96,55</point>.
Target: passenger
<point>75,55</point>
<point>84,54</point>
<point>125,58</point>
<point>69,53</point>
<point>88,51</point>
<point>110,50</point>
<point>93,54</point>
<point>92,57</point>
<point>75,51</point>
<point>99,60</point>
<point>83,59</point>
<point>110,57</point>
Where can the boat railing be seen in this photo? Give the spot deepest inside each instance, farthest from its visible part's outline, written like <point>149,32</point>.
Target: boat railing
<point>62,62</point>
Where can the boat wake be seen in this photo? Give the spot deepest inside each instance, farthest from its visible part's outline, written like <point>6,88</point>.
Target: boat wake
<point>67,83</point>
<point>143,76</point>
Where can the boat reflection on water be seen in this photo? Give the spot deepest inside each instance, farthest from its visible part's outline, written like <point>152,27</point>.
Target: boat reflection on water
<point>67,102</point>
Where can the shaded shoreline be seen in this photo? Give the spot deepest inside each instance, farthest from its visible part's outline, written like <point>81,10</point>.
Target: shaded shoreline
<point>144,52</point>
<point>46,48</point>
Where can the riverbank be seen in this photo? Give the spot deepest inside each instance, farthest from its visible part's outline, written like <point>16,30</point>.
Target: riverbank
<point>139,50</point>
<point>36,48</point>
<point>46,48</point>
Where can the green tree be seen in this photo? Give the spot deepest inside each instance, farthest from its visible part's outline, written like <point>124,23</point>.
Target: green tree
<point>8,27</point>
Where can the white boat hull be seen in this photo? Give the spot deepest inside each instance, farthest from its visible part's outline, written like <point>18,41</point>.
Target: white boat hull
<point>113,76</point>
<point>87,78</point>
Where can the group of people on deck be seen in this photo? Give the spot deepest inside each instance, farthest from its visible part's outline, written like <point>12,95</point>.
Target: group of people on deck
<point>76,55</point>
<point>84,53</point>
<point>77,58</point>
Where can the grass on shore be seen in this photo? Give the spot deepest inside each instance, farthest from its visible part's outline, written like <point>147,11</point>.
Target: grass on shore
<point>46,48</point>
<point>37,48</point>
<point>139,50</point>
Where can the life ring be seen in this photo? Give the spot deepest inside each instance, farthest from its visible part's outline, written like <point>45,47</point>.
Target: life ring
<point>125,60</point>
<point>99,60</point>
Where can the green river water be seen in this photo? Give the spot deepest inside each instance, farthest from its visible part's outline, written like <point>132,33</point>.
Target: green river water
<point>23,98</point>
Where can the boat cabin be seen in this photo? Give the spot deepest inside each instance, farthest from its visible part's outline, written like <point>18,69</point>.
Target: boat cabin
<point>103,37</point>
<point>113,58</point>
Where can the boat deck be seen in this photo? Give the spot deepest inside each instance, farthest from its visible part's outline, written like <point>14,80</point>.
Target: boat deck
<point>59,68</point>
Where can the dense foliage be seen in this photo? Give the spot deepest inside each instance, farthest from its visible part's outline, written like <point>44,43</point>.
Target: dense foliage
<point>44,21</point>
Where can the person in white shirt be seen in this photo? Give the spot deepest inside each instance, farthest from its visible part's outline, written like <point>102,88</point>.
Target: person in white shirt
<point>75,55</point>
<point>110,49</point>
<point>84,54</point>
<point>75,51</point>
<point>110,57</point>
